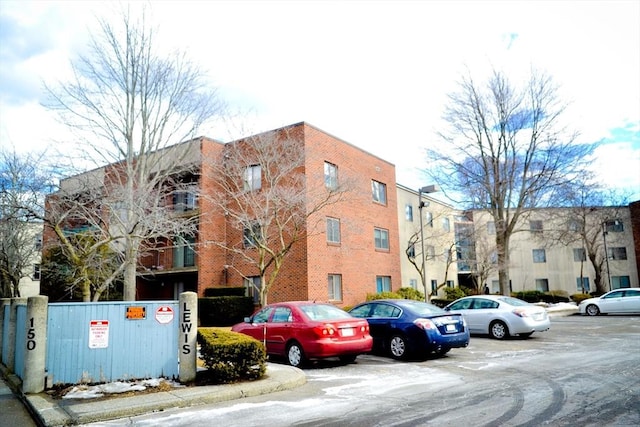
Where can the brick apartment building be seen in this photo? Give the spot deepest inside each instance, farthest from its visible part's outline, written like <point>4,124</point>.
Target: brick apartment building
<point>358,246</point>
<point>359,255</point>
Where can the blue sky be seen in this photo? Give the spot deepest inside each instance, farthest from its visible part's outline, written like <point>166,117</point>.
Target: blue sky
<point>373,73</point>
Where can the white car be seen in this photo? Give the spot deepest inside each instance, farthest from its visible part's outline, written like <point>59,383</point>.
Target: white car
<point>500,316</point>
<point>620,301</point>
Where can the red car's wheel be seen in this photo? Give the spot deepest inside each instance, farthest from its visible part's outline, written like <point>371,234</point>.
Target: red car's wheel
<point>295,355</point>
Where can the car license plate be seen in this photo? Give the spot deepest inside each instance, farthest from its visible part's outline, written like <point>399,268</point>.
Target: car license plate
<point>452,328</point>
<point>348,332</point>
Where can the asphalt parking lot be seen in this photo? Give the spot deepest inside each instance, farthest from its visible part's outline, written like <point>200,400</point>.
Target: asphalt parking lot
<point>584,371</point>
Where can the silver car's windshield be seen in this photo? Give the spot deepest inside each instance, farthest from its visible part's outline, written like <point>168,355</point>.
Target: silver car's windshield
<point>513,301</point>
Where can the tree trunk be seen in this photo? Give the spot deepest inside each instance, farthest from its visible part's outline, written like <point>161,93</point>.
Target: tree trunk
<point>502,247</point>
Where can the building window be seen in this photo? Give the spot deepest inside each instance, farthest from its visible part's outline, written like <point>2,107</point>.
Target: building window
<point>411,250</point>
<point>575,225</point>
<point>38,243</point>
<point>184,201</point>
<point>36,272</point>
<point>539,255</point>
<point>495,286</point>
<point>413,283</point>
<point>491,227</point>
<point>333,230</point>
<point>252,286</point>
<point>618,254</point>
<point>448,255</point>
<point>408,212</point>
<point>330,176</point>
<point>614,226</point>
<point>429,219</point>
<point>379,192</point>
<point>542,285</point>
<point>383,284</point>
<point>252,236</point>
<point>446,225</point>
<point>434,285</point>
<point>381,238</point>
<point>535,226</point>
<point>431,252</point>
<point>620,282</point>
<point>253,178</point>
<point>335,287</point>
<point>184,254</point>
<point>579,255</point>
<point>584,286</point>
<point>450,284</point>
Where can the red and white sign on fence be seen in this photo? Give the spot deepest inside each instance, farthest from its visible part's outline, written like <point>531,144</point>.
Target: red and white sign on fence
<point>164,314</point>
<point>98,334</point>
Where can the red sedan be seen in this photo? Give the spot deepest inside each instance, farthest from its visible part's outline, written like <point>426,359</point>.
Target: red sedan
<point>303,330</point>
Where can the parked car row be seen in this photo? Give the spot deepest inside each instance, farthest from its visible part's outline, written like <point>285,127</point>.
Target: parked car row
<point>618,301</point>
<point>401,329</point>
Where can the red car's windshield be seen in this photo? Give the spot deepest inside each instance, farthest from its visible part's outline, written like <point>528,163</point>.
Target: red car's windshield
<point>324,312</point>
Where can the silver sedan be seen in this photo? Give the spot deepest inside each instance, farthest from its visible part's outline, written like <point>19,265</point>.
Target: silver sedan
<point>618,301</point>
<point>500,316</point>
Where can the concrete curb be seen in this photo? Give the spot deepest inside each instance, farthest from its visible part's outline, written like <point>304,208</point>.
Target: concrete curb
<point>54,412</point>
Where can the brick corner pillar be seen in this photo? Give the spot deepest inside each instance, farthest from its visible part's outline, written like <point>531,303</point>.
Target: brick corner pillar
<point>10,357</point>
<point>188,336</point>
<point>35,345</point>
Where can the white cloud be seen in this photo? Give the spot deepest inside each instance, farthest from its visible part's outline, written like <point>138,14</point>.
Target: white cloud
<point>375,73</point>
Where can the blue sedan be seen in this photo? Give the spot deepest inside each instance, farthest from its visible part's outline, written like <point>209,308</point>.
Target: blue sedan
<point>403,328</point>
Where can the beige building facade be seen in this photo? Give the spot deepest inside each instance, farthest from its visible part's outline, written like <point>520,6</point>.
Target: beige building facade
<point>438,219</point>
<point>550,249</point>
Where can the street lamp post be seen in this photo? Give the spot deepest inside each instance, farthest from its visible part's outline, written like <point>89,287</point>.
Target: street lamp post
<point>422,204</point>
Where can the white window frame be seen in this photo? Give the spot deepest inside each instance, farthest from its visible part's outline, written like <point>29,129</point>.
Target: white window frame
<point>330,176</point>
<point>539,256</point>
<point>381,239</point>
<point>252,178</point>
<point>379,191</point>
<point>333,230</point>
<point>334,282</point>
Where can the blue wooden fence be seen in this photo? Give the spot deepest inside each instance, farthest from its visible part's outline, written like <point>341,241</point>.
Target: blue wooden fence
<point>5,333</point>
<point>108,341</point>
<point>21,319</point>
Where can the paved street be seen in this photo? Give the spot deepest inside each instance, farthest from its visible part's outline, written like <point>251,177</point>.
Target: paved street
<point>584,371</point>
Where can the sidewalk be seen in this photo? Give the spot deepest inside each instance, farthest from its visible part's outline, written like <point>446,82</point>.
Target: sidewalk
<point>61,412</point>
<point>14,412</point>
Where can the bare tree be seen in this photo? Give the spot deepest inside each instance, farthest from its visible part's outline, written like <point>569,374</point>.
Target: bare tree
<point>506,152</point>
<point>438,241</point>
<point>128,104</point>
<point>22,188</point>
<point>591,214</point>
<point>268,201</point>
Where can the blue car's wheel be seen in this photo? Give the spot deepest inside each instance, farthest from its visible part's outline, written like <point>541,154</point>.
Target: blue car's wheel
<point>398,347</point>
<point>441,351</point>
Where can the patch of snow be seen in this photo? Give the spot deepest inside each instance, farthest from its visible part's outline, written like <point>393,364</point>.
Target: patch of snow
<point>116,387</point>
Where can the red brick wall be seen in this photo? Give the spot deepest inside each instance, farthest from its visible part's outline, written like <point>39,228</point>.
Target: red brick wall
<point>356,258</point>
<point>304,272</point>
<point>211,258</point>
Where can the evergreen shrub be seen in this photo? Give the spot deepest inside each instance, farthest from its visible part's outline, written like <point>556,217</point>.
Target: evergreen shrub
<point>230,356</point>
